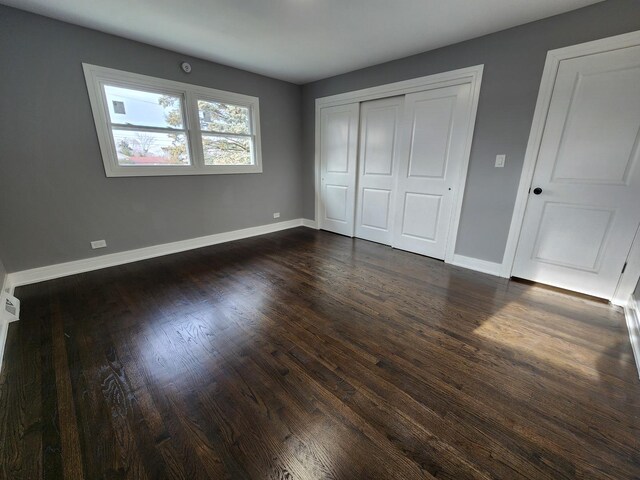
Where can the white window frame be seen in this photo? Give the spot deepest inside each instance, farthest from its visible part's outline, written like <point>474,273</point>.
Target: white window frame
<point>96,77</point>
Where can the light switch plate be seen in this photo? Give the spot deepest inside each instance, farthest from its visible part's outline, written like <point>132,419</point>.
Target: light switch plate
<point>500,160</point>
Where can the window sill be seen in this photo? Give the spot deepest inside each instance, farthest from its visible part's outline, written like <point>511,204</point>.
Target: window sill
<point>179,170</point>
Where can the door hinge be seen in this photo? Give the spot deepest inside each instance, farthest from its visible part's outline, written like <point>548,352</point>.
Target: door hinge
<point>624,267</point>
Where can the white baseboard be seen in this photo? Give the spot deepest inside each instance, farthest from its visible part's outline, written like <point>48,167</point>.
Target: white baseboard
<point>309,223</point>
<point>50,272</point>
<point>4,327</point>
<point>478,265</point>
<point>5,318</point>
<point>632,315</point>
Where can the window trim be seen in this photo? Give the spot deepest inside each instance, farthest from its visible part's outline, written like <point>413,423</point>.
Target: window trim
<point>97,76</point>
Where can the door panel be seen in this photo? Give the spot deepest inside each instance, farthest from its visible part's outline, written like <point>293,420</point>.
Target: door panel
<point>577,232</point>
<point>435,125</point>
<point>335,143</point>
<point>375,208</point>
<point>336,202</point>
<point>430,137</point>
<point>379,121</point>
<point>584,228</point>
<point>338,150</point>
<point>379,130</point>
<point>421,213</point>
<point>588,139</point>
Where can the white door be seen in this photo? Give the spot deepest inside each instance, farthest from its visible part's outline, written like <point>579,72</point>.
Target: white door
<point>584,206</point>
<point>379,129</point>
<point>434,136</point>
<point>338,156</point>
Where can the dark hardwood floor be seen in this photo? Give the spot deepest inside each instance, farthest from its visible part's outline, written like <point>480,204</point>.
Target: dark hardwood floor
<point>304,355</point>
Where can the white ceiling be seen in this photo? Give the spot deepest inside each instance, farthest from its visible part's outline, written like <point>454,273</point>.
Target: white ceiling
<point>299,40</point>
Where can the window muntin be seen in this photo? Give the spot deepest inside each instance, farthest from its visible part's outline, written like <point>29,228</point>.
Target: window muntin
<point>151,126</point>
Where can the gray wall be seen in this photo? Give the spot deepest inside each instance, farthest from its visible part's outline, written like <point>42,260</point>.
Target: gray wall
<point>513,60</point>
<point>54,196</point>
<point>636,293</point>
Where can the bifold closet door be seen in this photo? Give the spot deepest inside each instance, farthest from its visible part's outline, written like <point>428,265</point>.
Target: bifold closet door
<point>338,166</point>
<point>379,130</point>
<point>434,134</point>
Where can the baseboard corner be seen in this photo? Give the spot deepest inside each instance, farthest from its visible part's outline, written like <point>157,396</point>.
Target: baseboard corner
<point>6,317</point>
<point>309,223</point>
<point>478,265</point>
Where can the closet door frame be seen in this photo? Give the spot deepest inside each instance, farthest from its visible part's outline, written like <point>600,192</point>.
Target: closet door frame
<point>470,75</point>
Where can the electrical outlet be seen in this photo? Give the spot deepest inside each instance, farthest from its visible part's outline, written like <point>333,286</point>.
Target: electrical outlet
<point>98,244</point>
<point>500,160</point>
<point>276,215</point>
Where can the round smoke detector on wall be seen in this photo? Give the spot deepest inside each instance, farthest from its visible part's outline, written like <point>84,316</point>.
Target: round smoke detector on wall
<point>186,67</point>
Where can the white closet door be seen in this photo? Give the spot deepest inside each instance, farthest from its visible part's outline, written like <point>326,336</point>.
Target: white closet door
<point>434,135</point>
<point>584,207</point>
<point>379,129</point>
<point>338,157</point>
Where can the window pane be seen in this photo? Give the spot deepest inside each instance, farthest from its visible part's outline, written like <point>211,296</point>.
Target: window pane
<point>223,117</point>
<point>136,107</point>
<point>227,150</point>
<point>151,148</point>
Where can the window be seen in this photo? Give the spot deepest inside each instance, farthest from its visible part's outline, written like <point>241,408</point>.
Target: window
<point>149,126</point>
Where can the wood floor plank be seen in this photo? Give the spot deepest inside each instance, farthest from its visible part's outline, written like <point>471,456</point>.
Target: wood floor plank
<point>69,437</point>
<point>303,355</point>
<point>443,404</point>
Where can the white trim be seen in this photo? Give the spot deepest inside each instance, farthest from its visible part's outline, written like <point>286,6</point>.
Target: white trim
<point>96,77</point>
<point>554,57</point>
<point>41,274</point>
<point>478,265</point>
<point>429,82</point>
<point>629,278</point>
<point>50,272</point>
<point>5,298</point>
<point>4,328</point>
<point>5,319</point>
<point>458,194</point>
<point>471,75</point>
<point>310,223</point>
<point>632,315</point>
